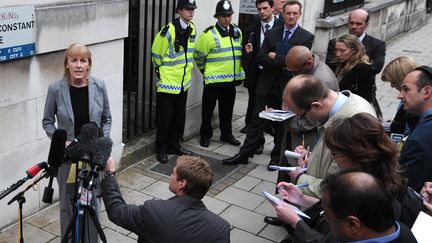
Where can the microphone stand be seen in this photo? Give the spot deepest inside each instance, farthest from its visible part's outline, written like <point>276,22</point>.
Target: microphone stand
<point>21,200</point>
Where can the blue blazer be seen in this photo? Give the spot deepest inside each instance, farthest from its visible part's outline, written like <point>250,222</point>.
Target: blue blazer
<point>58,107</point>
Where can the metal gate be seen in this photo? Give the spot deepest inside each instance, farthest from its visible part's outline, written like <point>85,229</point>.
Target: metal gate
<point>146,18</point>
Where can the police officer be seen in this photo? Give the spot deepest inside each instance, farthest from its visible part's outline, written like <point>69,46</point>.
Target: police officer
<point>217,55</point>
<point>172,52</point>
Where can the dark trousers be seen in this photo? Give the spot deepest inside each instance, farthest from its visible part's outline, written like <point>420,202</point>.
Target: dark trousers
<point>225,96</point>
<point>250,110</point>
<point>257,126</point>
<point>171,114</point>
<point>251,105</point>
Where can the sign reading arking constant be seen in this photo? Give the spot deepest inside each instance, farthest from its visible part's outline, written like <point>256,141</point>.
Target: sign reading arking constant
<point>17,32</point>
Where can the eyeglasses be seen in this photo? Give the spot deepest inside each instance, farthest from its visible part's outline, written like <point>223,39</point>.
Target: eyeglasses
<point>305,111</point>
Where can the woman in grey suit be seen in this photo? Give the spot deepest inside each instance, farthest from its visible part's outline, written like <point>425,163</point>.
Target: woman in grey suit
<point>73,101</point>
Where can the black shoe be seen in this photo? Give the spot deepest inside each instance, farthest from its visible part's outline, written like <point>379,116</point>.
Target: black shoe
<point>204,142</point>
<point>236,159</point>
<point>231,140</point>
<point>271,163</point>
<point>259,149</point>
<point>180,151</point>
<point>244,129</point>
<point>273,221</point>
<point>162,157</point>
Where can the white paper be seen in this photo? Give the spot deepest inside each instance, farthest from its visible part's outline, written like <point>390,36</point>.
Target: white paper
<point>284,168</point>
<point>277,201</point>
<point>276,115</point>
<point>291,154</point>
<point>422,228</point>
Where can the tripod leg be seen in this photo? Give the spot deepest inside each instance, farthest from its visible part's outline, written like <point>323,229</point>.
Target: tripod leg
<point>96,222</point>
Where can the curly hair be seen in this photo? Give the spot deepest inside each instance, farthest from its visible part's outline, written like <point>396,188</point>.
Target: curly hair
<point>362,139</point>
<point>352,42</point>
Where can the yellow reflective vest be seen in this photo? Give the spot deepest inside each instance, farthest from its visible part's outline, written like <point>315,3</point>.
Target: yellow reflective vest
<point>174,68</point>
<point>217,57</point>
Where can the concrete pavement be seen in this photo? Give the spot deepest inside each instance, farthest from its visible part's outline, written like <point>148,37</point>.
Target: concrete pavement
<point>238,199</point>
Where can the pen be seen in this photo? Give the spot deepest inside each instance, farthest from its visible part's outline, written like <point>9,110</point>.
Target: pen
<point>302,141</point>
<point>418,195</point>
<point>302,185</point>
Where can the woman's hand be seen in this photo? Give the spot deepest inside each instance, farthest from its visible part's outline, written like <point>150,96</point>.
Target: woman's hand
<point>426,192</point>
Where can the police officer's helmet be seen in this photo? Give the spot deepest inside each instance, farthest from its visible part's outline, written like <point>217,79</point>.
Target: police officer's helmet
<point>223,7</point>
<point>186,4</point>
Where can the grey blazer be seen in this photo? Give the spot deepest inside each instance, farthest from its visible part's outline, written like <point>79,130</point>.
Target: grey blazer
<point>58,105</point>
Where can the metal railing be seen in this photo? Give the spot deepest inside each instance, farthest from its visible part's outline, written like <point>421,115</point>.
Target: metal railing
<point>146,18</point>
<point>333,7</point>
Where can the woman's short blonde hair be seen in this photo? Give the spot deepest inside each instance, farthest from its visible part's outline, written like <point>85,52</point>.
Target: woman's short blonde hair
<point>77,50</point>
<point>396,70</point>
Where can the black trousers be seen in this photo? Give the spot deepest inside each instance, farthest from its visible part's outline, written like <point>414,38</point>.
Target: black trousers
<point>251,105</point>
<point>171,114</point>
<point>225,96</point>
<point>257,126</point>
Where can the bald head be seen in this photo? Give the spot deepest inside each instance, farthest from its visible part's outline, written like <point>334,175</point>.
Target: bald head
<point>299,60</point>
<point>302,90</point>
<point>358,21</point>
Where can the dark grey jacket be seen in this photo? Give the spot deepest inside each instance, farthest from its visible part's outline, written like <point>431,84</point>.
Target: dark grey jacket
<point>178,219</point>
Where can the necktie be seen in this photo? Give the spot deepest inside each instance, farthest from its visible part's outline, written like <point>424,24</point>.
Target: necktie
<point>267,27</point>
<point>286,36</point>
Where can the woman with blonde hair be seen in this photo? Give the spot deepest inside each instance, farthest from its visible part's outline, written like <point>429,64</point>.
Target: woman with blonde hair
<point>354,71</point>
<point>73,101</point>
<point>395,72</point>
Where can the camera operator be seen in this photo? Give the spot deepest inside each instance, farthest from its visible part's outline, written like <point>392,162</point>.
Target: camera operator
<point>182,218</point>
<point>73,101</point>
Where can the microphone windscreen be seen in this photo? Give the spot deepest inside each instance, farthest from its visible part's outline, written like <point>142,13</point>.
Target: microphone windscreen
<point>57,148</point>
<point>101,151</point>
<point>89,134</point>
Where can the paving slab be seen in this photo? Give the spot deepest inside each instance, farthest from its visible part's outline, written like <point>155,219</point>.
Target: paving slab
<point>262,173</point>
<point>247,183</point>
<point>215,205</point>
<point>134,180</point>
<point>159,190</point>
<point>244,219</point>
<point>240,198</point>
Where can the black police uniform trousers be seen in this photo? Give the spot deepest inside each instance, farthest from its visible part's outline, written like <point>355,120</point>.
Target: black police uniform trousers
<point>225,96</point>
<point>171,114</point>
<point>257,126</point>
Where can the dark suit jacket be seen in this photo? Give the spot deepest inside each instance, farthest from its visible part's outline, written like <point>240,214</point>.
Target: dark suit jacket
<point>375,49</point>
<point>272,73</point>
<point>253,34</point>
<point>360,80</point>
<point>178,219</point>
<point>416,154</point>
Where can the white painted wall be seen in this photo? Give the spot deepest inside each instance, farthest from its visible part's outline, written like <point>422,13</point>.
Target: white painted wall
<point>101,24</point>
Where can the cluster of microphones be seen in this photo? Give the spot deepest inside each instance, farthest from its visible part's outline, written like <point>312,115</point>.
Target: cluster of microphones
<point>90,147</point>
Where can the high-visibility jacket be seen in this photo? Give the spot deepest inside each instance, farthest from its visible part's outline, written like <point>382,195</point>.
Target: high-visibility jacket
<point>217,57</point>
<point>174,68</point>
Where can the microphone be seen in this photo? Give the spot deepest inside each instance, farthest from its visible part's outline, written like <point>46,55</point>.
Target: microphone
<point>101,151</point>
<point>34,170</point>
<point>55,159</point>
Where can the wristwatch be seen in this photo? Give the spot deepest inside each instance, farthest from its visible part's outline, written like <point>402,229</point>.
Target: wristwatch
<point>109,173</point>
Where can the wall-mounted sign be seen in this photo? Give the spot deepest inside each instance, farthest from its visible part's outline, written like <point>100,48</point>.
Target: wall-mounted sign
<point>247,7</point>
<point>17,32</point>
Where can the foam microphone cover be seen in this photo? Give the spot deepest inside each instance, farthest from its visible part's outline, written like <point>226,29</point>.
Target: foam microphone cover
<point>101,151</point>
<point>57,148</point>
<point>89,134</point>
